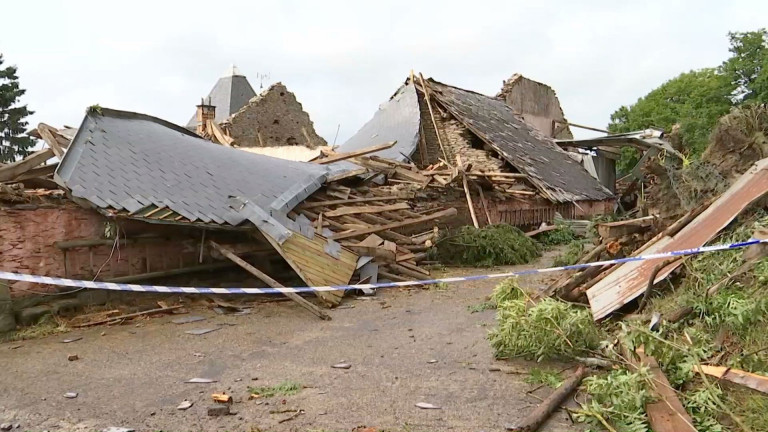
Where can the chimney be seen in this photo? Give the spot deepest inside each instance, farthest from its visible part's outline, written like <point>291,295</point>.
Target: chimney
<point>205,112</point>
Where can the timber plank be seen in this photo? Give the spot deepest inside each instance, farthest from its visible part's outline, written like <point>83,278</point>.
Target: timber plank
<point>351,201</point>
<point>443,213</point>
<point>341,211</point>
<point>343,156</point>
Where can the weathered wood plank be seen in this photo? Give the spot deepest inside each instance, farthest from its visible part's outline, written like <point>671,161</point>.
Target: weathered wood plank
<point>269,281</point>
<point>12,170</point>
<point>343,156</point>
<point>366,209</point>
<point>308,205</point>
<point>444,213</point>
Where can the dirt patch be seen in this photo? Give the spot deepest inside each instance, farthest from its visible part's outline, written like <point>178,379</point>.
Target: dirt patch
<point>133,376</point>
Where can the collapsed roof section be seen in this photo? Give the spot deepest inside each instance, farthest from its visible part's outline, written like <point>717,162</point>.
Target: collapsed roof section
<point>396,120</point>
<point>493,124</point>
<point>231,92</point>
<point>143,167</point>
<point>550,169</point>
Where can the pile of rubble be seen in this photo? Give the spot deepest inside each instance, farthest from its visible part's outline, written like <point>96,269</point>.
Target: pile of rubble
<point>702,322</point>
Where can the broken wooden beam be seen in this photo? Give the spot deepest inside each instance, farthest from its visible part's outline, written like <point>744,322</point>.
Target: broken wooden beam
<point>45,132</point>
<point>308,205</point>
<point>216,131</point>
<point>167,273</point>
<point>747,379</point>
<point>343,156</point>
<point>130,315</point>
<point>666,413</point>
<point>345,175</point>
<point>444,213</point>
<point>377,252</point>
<point>464,182</point>
<point>12,170</point>
<point>537,417</point>
<point>366,209</point>
<point>269,281</point>
<point>399,268</point>
<point>541,230</point>
<point>621,228</point>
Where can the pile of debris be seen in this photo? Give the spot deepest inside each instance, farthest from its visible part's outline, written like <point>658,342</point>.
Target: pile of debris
<point>670,343</point>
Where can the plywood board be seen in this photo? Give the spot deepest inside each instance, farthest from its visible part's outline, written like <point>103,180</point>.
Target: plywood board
<point>308,258</point>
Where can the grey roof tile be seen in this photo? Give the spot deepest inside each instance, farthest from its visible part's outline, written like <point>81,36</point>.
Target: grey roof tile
<point>137,159</point>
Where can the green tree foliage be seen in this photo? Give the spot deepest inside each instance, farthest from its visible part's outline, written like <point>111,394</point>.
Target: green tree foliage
<point>696,99</point>
<point>13,143</point>
<point>748,65</point>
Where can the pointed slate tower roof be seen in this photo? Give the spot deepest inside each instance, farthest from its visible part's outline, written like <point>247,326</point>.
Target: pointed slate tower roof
<point>231,92</point>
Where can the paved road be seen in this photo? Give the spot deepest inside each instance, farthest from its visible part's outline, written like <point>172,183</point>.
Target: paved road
<point>133,376</point>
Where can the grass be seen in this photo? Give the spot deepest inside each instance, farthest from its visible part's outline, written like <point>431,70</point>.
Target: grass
<point>440,287</point>
<point>285,388</point>
<point>546,377</point>
<point>480,307</point>
<point>48,325</point>
<point>489,246</point>
<point>571,255</point>
<point>560,236</point>
<point>550,330</point>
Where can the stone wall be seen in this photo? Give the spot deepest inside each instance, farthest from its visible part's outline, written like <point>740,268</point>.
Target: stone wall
<point>273,118</point>
<point>535,102</point>
<point>456,139</point>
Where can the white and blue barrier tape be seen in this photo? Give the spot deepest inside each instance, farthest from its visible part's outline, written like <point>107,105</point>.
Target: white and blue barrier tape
<point>200,290</point>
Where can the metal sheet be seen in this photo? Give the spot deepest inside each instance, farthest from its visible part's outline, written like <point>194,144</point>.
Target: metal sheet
<point>396,120</point>
<point>631,279</point>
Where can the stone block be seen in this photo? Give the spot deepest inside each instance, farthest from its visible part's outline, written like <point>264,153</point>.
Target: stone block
<point>218,410</point>
<point>93,297</point>
<point>32,315</point>
<point>65,305</point>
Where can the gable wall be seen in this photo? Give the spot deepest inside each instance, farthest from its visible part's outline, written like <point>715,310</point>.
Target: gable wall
<point>274,118</point>
<point>537,103</point>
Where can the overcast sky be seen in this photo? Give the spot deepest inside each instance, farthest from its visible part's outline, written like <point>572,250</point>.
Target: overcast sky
<point>342,59</point>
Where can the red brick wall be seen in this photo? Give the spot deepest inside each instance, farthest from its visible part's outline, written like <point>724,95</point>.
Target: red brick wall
<point>27,236</point>
<point>27,240</point>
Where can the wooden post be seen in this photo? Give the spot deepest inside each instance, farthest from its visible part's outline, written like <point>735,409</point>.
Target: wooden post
<point>466,192</point>
<point>269,281</point>
<point>432,115</point>
<point>484,203</point>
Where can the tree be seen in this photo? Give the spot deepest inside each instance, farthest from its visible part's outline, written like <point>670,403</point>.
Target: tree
<point>694,100</point>
<point>748,65</point>
<point>13,143</point>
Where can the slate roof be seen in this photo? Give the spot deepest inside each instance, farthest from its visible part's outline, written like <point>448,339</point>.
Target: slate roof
<point>230,93</point>
<point>550,169</point>
<point>127,161</point>
<point>396,120</point>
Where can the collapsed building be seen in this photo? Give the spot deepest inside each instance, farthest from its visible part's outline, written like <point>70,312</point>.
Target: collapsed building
<point>528,178</point>
<point>233,114</point>
<point>135,198</point>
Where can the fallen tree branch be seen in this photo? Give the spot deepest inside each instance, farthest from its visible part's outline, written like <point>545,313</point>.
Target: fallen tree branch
<point>535,419</point>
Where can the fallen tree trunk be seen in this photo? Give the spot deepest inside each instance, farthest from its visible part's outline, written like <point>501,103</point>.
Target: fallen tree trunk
<point>535,419</point>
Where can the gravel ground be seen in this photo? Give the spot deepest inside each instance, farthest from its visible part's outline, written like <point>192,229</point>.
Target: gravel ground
<point>404,347</point>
